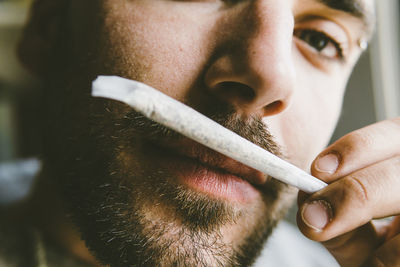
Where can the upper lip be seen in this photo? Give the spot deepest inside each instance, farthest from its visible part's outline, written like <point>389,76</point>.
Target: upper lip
<point>212,159</point>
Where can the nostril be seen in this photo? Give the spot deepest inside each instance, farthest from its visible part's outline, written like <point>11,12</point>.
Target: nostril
<point>247,99</point>
<point>235,92</point>
<point>274,108</point>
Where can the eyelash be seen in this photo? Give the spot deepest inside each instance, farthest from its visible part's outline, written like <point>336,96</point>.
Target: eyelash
<point>300,34</point>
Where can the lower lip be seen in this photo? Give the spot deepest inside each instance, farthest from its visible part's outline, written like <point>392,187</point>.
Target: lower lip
<point>208,180</point>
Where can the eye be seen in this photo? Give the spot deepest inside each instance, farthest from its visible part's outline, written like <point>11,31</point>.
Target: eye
<point>323,44</point>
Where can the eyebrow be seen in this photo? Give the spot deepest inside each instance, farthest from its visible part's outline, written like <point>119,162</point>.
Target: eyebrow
<point>355,8</point>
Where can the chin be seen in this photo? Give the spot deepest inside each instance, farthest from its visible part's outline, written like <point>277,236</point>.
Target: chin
<point>148,197</point>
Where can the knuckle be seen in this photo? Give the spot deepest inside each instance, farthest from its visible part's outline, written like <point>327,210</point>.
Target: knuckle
<point>357,139</point>
<point>355,189</point>
<point>374,262</point>
<point>396,121</point>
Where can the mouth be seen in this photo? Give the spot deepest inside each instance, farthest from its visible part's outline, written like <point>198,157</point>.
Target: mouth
<point>206,171</point>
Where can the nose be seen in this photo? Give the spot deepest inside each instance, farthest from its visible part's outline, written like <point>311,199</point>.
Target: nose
<point>254,71</point>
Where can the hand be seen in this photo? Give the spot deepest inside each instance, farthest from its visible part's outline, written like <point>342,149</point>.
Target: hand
<point>363,172</point>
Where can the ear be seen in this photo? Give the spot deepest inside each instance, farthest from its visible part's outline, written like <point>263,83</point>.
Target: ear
<point>40,34</point>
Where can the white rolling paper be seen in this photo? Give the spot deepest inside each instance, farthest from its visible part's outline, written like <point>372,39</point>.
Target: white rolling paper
<point>175,115</point>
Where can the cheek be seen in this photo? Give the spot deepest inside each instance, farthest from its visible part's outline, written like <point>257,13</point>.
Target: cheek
<point>305,128</point>
<point>165,50</point>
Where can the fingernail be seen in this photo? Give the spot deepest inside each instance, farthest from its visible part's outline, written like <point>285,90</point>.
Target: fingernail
<point>328,163</point>
<point>317,214</point>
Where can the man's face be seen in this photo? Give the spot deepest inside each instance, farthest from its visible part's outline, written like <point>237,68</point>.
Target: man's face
<point>273,71</point>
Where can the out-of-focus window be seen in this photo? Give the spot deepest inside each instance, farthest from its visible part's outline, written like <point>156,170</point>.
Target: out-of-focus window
<point>386,60</point>
<point>13,78</point>
<point>16,174</point>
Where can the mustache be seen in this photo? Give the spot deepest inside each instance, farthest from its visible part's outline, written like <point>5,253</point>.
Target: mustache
<point>251,128</point>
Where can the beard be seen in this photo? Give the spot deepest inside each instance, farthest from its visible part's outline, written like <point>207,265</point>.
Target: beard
<point>131,212</point>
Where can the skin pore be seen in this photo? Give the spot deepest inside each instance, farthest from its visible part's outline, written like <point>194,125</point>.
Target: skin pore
<point>272,71</point>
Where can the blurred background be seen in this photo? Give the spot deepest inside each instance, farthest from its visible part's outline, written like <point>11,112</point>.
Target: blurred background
<point>373,94</point>
<point>19,134</point>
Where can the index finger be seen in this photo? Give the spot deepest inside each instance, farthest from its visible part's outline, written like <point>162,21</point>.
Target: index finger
<point>358,150</point>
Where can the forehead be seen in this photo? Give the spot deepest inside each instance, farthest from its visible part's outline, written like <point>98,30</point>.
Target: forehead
<point>363,10</point>
<point>358,8</point>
